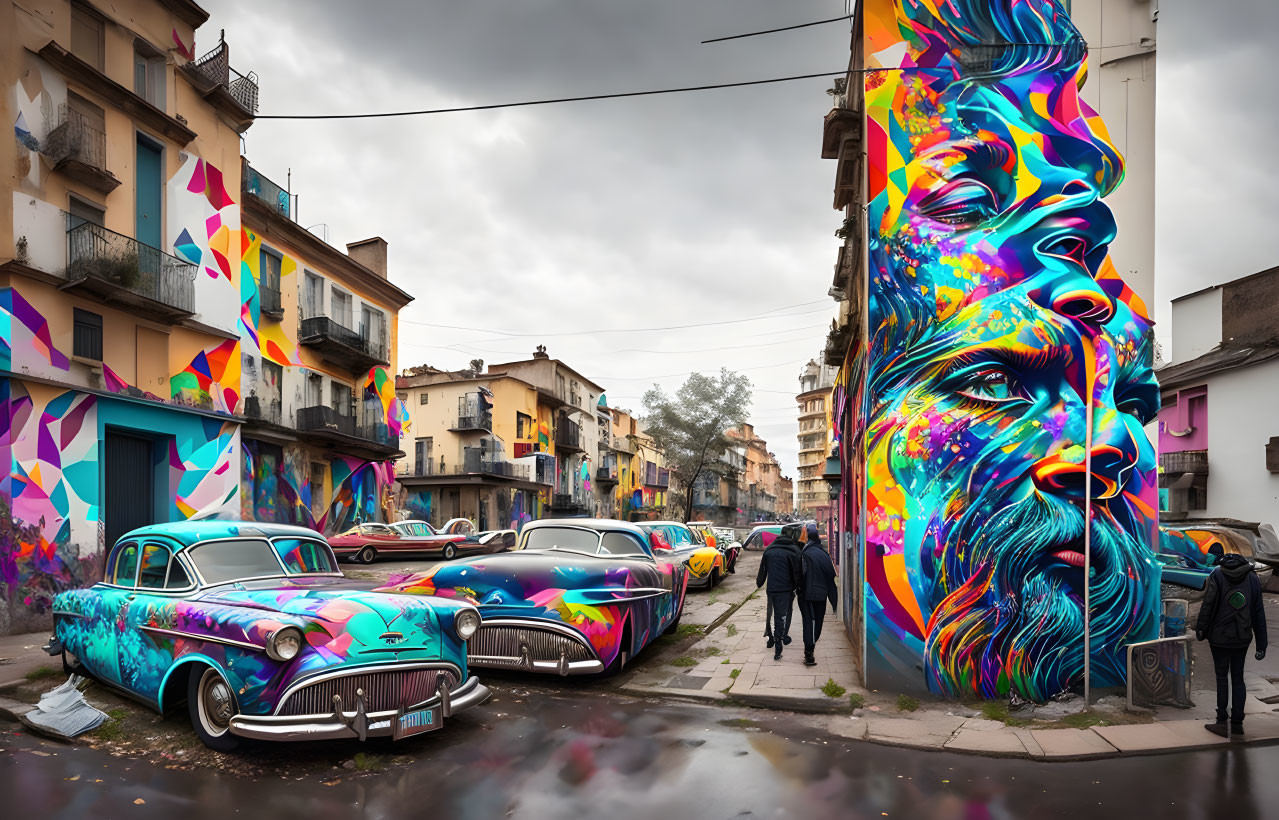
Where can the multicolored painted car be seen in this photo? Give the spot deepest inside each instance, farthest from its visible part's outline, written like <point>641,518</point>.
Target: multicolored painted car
<point>721,538</point>
<point>706,565</point>
<point>761,536</point>
<point>576,596</point>
<point>254,626</point>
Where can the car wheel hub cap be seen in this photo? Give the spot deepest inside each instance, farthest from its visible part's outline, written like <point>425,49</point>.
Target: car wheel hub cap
<point>217,705</point>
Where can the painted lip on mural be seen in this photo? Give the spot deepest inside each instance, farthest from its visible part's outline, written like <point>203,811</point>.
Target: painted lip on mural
<point>1072,553</point>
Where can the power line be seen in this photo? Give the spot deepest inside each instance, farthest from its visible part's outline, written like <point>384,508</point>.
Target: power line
<point>775,30</point>
<point>690,372</point>
<point>553,101</point>
<point>758,318</point>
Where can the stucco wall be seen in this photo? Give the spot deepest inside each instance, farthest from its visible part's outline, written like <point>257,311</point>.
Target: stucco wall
<point>1243,419</point>
<point>1196,325</point>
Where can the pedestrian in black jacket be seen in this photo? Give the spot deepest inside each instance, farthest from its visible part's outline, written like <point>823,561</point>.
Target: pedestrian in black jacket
<point>817,589</point>
<point>780,566</point>
<point>1231,615</point>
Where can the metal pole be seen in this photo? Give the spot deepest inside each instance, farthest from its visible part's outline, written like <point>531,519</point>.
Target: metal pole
<point>1088,400</point>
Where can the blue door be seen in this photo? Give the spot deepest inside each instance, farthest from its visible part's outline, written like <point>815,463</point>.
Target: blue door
<point>149,227</point>
<point>149,230</point>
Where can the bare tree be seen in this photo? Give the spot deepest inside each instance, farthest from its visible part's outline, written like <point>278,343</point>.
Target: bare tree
<point>689,427</point>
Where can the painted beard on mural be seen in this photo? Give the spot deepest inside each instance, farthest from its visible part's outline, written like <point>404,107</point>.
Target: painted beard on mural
<point>994,314</point>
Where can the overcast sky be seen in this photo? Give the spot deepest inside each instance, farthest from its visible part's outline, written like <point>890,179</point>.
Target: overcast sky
<point>548,221</point>
<point>1217,131</point>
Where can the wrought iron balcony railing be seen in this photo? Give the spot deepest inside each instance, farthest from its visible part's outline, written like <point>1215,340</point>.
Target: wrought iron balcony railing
<point>326,420</point>
<point>216,67</point>
<point>341,344</point>
<point>107,261</point>
<point>76,138</point>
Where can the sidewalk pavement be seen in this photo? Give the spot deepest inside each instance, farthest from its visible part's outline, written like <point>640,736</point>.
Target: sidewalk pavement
<point>21,655</point>
<point>731,662</point>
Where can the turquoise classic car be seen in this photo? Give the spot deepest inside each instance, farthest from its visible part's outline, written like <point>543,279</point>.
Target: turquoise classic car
<point>256,629</point>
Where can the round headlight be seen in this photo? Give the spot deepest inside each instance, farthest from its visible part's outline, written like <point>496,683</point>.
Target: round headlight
<point>284,645</point>
<point>466,622</point>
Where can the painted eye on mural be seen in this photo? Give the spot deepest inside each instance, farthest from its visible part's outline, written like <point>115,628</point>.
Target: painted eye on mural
<point>963,201</point>
<point>1140,401</point>
<point>992,385</point>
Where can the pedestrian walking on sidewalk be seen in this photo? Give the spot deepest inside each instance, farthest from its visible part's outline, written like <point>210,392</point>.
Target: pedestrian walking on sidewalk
<point>1231,615</point>
<point>780,566</point>
<point>818,588</point>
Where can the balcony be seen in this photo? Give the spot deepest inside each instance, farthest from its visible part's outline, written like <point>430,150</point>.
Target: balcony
<point>267,192</point>
<point>365,433</point>
<point>623,444</point>
<point>230,92</point>
<point>121,271</point>
<point>474,415</point>
<point>841,125</point>
<point>78,148</point>
<point>606,476</point>
<point>341,346</point>
<point>568,436</point>
<point>479,461</point>
<point>569,504</point>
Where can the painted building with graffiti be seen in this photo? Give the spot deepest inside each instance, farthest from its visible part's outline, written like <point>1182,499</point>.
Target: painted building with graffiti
<point>118,290</point>
<point>134,337</point>
<point>982,326</point>
<point>318,331</point>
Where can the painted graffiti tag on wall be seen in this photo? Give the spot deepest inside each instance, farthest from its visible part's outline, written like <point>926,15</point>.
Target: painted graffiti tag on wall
<point>995,320</point>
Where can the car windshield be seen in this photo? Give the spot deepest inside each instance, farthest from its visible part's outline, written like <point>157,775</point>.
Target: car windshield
<point>304,555</point>
<point>562,538</point>
<point>220,562</point>
<point>418,528</point>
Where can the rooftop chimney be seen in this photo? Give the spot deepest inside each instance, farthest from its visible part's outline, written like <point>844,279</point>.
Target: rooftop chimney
<point>371,253</point>
<point>541,353</point>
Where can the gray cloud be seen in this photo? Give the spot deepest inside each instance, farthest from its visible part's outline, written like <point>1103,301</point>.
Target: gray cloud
<point>627,213</point>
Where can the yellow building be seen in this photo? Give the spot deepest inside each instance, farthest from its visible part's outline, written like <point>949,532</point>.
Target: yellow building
<point>477,451</point>
<point>119,284</point>
<point>322,421</point>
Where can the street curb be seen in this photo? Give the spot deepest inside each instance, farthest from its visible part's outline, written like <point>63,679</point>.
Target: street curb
<point>883,741</point>
<point>811,705</point>
<point>14,709</point>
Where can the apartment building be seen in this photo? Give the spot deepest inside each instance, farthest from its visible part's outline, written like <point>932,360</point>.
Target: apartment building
<point>119,285</point>
<point>763,492</point>
<point>317,349</point>
<point>816,384</point>
<point>477,449</point>
<point>566,427</point>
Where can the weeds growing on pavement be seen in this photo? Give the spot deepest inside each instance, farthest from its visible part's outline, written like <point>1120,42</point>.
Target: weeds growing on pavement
<point>43,673</point>
<point>734,673</point>
<point>998,710</point>
<point>833,690</point>
<point>905,703</point>
<point>365,762</point>
<point>684,660</point>
<point>112,729</point>
<point>856,701</point>
<point>685,630</point>
<point>732,630</point>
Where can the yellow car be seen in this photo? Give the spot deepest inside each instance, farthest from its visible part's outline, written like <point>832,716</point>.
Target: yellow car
<point>706,566</point>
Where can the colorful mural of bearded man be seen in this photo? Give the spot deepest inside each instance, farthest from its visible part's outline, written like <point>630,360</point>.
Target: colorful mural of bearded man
<point>995,321</point>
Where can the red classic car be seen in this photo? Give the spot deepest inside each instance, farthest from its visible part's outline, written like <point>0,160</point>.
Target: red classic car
<point>363,543</point>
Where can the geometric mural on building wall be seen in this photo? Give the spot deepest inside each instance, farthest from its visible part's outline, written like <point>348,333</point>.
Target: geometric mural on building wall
<point>202,479</point>
<point>269,340</point>
<point>276,487</point>
<point>27,332</point>
<point>211,380</point>
<point>378,383</point>
<point>995,319</point>
<point>48,529</point>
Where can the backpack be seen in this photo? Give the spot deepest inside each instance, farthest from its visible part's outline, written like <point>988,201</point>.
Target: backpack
<point>1234,611</point>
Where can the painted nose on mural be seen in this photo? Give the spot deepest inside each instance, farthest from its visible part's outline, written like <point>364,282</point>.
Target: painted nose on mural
<point>1114,453</point>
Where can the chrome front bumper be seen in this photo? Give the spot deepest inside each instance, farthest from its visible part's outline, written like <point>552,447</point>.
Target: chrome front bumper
<point>356,723</point>
<point>529,645</point>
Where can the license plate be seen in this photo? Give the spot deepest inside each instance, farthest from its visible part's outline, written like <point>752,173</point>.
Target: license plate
<point>415,723</point>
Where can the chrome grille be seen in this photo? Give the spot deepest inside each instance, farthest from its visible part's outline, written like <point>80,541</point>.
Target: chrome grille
<point>383,691</point>
<point>497,645</point>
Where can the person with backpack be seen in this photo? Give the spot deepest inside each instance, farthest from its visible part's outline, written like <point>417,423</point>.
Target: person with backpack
<point>1231,616</point>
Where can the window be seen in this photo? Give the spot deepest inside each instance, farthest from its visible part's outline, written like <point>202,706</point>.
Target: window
<point>224,561</point>
<point>302,555</point>
<point>317,488</point>
<point>620,543</point>
<point>273,376</point>
<point>155,567</point>
<point>523,426</point>
<point>342,400</point>
<point>82,212</point>
<point>402,397</point>
<point>561,538</point>
<point>372,324</point>
<point>87,36</point>
<point>124,565</point>
<point>148,77</point>
<point>314,390</point>
<point>87,335</point>
<point>341,308</point>
<point>312,296</point>
<point>422,456</point>
<point>269,279</point>
<point>422,398</point>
